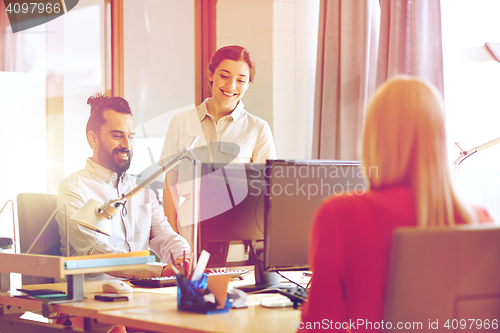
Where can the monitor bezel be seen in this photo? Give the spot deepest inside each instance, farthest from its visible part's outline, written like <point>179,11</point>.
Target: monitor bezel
<point>211,167</point>
<point>268,203</point>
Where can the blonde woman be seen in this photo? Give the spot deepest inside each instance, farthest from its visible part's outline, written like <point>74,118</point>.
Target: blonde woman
<point>405,161</point>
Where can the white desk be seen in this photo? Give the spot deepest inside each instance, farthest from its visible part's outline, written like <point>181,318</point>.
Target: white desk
<point>156,310</point>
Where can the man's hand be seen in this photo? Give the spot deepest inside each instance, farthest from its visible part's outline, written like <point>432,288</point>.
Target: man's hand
<point>169,271</point>
<point>182,268</point>
<point>215,270</point>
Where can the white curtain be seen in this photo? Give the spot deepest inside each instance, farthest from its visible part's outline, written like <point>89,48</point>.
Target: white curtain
<point>345,76</point>
<point>410,40</point>
<point>361,44</point>
<point>7,42</point>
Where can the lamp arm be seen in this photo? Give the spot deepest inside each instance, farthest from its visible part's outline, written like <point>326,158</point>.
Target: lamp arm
<point>466,153</point>
<point>167,167</point>
<point>488,144</point>
<point>109,208</point>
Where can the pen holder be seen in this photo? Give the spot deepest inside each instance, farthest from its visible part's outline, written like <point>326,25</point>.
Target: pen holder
<point>190,296</point>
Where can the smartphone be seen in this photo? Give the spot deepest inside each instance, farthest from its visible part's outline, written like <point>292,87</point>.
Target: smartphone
<point>111,298</point>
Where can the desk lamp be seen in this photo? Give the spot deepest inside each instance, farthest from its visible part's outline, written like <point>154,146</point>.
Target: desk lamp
<point>466,153</point>
<point>97,217</point>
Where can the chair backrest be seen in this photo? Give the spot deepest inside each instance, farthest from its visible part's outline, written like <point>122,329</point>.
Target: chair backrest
<point>33,211</point>
<point>444,275</point>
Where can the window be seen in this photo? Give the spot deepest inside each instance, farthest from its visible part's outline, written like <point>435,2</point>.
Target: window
<point>472,99</point>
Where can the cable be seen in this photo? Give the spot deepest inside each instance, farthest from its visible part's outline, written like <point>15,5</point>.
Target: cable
<point>309,283</point>
<point>289,280</point>
<point>256,256</point>
<point>279,273</point>
<point>255,213</point>
<point>467,156</point>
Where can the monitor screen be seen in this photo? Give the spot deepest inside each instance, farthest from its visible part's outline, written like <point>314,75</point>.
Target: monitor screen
<point>294,190</point>
<point>231,209</point>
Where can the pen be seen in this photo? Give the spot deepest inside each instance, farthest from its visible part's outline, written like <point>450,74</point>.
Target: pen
<point>174,266</point>
<point>182,269</point>
<point>176,271</point>
<point>185,266</point>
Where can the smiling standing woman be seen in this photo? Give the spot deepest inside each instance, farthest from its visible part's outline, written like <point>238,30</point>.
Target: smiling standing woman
<point>227,131</point>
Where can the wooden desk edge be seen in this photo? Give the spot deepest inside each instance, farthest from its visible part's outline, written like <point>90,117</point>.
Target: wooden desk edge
<point>50,266</point>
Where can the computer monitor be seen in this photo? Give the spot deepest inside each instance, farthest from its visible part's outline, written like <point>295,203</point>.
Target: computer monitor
<point>274,202</point>
<point>294,190</point>
<point>231,209</point>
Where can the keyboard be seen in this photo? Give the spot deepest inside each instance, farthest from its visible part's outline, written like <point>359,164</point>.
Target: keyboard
<point>169,281</point>
<point>296,295</point>
<point>37,292</point>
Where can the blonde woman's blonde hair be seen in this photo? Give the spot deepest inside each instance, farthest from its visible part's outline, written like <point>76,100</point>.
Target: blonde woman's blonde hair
<point>404,139</point>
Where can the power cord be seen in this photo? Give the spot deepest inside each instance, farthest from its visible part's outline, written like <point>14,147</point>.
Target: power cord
<point>279,273</point>
<point>289,280</point>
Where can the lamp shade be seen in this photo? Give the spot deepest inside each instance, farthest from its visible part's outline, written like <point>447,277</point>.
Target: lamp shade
<point>88,216</point>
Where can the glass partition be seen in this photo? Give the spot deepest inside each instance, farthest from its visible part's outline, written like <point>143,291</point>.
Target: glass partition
<point>158,70</point>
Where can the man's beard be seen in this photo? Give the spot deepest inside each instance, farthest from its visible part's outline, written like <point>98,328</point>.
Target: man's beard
<point>109,162</point>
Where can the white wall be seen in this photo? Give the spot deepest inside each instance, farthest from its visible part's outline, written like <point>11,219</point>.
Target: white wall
<point>282,37</point>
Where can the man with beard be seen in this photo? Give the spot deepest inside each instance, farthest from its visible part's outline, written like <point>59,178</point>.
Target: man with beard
<point>141,223</point>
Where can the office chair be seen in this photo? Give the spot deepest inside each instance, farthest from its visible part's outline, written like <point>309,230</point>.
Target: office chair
<point>443,274</point>
<point>33,211</point>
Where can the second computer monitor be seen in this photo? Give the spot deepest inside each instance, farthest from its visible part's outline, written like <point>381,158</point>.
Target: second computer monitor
<point>294,190</point>
<point>275,201</point>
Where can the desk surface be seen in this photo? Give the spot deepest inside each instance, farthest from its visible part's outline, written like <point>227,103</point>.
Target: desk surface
<point>156,310</point>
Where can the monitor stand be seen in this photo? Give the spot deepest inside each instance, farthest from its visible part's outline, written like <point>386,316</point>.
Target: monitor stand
<point>264,281</point>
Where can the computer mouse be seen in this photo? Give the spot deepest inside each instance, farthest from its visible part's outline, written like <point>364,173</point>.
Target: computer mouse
<point>116,287</point>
